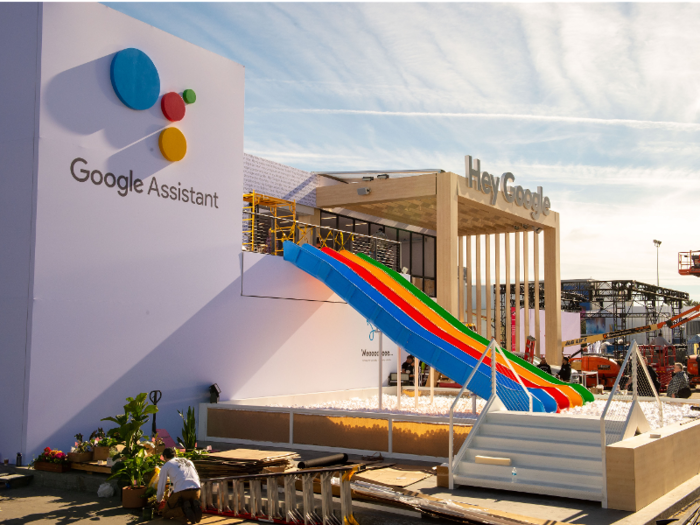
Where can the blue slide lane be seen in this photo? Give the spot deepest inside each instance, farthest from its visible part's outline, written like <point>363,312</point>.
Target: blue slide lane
<point>407,333</point>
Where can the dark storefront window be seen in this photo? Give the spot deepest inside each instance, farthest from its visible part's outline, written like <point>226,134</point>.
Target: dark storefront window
<point>417,250</point>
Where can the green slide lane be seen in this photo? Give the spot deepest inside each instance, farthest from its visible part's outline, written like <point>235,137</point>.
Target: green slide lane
<point>433,305</point>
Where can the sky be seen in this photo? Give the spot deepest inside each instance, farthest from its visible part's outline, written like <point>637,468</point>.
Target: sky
<point>597,103</point>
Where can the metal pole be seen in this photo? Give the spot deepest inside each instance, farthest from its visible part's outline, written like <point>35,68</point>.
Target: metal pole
<point>398,377</point>
<point>416,381</point>
<point>381,374</point>
<point>432,382</point>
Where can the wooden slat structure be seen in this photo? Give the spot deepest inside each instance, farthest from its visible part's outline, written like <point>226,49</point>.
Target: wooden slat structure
<point>445,202</point>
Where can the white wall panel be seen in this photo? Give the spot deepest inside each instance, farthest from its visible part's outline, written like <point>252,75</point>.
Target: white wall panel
<point>19,40</point>
<point>135,293</point>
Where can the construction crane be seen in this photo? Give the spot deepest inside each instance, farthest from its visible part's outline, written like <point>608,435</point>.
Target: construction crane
<point>689,263</point>
<point>673,322</point>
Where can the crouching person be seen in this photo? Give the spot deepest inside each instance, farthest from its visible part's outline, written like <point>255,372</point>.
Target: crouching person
<point>185,492</point>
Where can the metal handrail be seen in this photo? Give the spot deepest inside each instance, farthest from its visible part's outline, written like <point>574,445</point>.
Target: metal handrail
<point>321,227</point>
<point>633,350</point>
<point>517,376</point>
<point>450,458</point>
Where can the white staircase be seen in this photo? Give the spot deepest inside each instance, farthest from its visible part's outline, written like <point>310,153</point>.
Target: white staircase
<point>553,454</point>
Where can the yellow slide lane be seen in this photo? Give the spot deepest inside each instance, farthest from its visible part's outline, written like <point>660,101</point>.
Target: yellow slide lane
<point>573,396</point>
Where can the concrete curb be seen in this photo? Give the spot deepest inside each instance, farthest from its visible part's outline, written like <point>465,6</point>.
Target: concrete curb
<point>72,480</point>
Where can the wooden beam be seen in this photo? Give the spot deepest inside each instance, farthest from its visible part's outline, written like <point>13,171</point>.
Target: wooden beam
<point>497,268</point>
<point>536,266</point>
<point>516,343</point>
<point>447,253</point>
<point>472,198</point>
<point>526,280</point>
<point>552,295</point>
<point>470,270</point>
<point>489,316</point>
<point>477,266</point>
<point>380,191</point>
<point>509,328</point>
<point>460,279</point>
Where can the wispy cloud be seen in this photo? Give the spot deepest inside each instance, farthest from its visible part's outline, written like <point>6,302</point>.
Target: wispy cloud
<point>599,103</point>
<point>638,124</point>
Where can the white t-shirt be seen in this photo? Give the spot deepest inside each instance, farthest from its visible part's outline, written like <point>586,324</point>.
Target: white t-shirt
<point>182,475</point>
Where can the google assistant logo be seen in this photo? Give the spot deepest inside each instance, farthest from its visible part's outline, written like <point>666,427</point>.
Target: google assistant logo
<point>136,82</point>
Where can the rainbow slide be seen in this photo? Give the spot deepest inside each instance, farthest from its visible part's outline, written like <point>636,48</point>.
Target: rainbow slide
<point>417,323</point>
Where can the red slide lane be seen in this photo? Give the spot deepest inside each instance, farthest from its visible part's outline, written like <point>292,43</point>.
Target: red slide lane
<point>560,398</point>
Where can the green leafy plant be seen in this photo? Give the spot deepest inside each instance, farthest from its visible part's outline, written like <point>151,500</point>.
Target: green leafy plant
<point>137,469</point>
<point>189,430</point>
<point>100,439</point>
<point>193,454</point>
<point>80,445</point>
<point>129,432</point>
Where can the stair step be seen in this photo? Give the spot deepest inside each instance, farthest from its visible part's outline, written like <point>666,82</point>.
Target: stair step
<point>545,420</point>
<point>550,489</point>
<point>487,428</point>
<point>530,475</point>
<point>520,459</point>
<point>537,445</point>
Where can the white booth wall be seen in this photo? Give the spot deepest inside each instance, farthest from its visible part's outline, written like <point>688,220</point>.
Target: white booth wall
<point>105,296</point>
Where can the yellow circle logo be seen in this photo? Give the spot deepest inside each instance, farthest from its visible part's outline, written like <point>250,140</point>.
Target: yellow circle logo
<point>173,144</point>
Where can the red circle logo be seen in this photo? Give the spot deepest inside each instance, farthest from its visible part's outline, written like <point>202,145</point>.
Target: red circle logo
<point>173,107</point>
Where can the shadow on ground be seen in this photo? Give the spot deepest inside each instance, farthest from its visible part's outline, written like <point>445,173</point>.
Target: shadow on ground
<point>35,504</point>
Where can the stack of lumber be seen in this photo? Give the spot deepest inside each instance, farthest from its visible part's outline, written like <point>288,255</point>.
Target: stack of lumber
<point>241,462</point>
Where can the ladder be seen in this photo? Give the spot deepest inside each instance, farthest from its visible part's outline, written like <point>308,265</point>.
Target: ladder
<point>242,496</point>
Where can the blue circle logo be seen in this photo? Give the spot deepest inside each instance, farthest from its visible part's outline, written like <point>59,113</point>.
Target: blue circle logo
<point>135,79</point>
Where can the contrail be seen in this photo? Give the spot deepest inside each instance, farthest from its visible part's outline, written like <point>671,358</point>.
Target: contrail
<point>639,124</point>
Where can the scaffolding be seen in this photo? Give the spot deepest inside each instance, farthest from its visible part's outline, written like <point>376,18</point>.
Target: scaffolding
<point>267,223</point>
<point>606,299</point>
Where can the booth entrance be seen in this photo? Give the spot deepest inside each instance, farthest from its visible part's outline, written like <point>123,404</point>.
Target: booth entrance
<point>475,212</point>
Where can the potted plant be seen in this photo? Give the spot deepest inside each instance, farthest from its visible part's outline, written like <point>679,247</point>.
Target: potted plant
<point>189,430</point>
<point>129,433</point>
<point>81,452</point>
<point>138,470</point>
<point>156,446</point>
<point>101,444</point>
<point>52,461</point>
<point>134,465</point>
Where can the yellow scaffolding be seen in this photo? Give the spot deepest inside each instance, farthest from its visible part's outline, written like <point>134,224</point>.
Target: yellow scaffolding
<point>282,218</point>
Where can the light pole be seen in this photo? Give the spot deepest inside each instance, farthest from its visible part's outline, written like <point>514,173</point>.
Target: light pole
<point>657,244</point>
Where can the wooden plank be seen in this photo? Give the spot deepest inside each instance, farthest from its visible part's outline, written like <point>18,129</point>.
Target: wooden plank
<point>343,432</point>
<point>552,295</point>
<point>497,268</point>
<point>516,343</point>
<point>536,265</point>
<point>489,316</point>
<point>380,191</point>
<point>488,460</point>
<point>447,256</point>
<point>509,342</point>
<point>526,280</point>
<point>248,424</point>
<point>470,270</point>
<point>91,467</point>
<point>477,277</point>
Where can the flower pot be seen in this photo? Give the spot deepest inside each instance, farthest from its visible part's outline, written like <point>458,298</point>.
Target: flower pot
<point>131,497</point>
<point>80,457</point>
<point>100,453</point>
<point>51,467</point>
